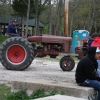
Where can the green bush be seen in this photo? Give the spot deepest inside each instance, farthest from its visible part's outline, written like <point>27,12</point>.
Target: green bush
<point>41,93</point>
<point>2,39</point>
<point>20,95</point>
<point>37,94</point>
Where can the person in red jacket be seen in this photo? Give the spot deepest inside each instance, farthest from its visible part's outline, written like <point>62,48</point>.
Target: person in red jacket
<point>96,43</point>
<point>91,39</point>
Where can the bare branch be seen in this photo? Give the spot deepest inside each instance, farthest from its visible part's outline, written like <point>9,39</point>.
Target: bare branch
<point>25,2</point>
<point>45,2</point>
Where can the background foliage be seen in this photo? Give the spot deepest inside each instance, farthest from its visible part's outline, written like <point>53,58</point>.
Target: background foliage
<point>83,14</point>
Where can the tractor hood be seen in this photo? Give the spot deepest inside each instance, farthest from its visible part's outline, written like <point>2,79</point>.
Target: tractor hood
<point>49,39</point>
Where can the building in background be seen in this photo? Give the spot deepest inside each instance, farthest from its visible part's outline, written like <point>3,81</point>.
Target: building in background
<point>4,22</point>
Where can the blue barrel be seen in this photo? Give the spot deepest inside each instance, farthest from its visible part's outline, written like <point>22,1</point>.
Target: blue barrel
<point>78,34</point>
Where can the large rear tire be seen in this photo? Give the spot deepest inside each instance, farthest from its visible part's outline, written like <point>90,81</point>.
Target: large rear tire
<point>67,63</point>
<point>16,53</point>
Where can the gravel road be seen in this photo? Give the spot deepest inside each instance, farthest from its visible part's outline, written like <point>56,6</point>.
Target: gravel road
<point>39,69</point>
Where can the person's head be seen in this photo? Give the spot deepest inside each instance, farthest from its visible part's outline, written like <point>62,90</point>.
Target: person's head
<point>94,53</point>
<point>14,22</point>
<point>94,35</point>
<point>97,55</point>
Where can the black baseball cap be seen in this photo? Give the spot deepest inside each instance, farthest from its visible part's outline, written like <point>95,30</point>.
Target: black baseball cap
<point>15,21</point>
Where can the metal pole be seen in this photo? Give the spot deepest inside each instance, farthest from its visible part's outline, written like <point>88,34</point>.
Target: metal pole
<point>66,18</point>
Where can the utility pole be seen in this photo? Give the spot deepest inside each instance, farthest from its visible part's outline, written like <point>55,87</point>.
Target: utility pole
<point>66,18</point>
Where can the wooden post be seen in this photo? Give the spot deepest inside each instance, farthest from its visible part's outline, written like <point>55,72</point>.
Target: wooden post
<point>66,18</point>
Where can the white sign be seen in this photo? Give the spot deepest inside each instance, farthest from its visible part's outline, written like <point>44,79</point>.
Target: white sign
<point>84,35</point>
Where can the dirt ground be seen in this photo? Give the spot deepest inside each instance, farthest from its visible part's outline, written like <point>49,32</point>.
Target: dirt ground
<point>39,69</point>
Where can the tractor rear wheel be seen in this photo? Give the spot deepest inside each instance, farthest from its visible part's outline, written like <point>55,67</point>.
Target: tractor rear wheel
<point>67,63</point>
<point>16,53</point>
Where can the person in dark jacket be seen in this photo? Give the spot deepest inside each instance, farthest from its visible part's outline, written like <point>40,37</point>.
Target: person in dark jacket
<point>86,71</point>
<point>12,29</point>
<point>91,39</point>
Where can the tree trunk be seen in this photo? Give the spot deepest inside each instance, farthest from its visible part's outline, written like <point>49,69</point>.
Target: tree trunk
<point>60,17</point>
<point>90,19</point>
<point>95,15</point>
<point>71,24</point>
<point>56,19</point>
<point>37,18</point>
<point>10,11</point>
<point>91,15</point>
<point>23,31</point>
<point>50,18</point>
<point>74,7</point>
<point>28,10</point>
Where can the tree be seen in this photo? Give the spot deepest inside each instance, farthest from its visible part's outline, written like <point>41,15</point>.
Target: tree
<point>39,8</point>
<point>21,7</point>
<point>59,16</point>
<point>6,9</point>
<point>73,7</point>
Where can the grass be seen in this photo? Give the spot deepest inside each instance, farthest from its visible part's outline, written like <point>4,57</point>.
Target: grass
<point>4,91</point>
<point>2,38</point>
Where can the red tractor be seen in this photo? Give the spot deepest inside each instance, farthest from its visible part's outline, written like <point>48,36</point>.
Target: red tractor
<point>17,53</point>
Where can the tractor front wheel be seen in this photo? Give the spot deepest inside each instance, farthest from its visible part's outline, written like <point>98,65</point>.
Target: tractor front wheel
<point>67,63</point>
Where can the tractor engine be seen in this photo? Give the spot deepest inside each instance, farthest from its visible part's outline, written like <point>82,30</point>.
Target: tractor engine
<point>51,49</point>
